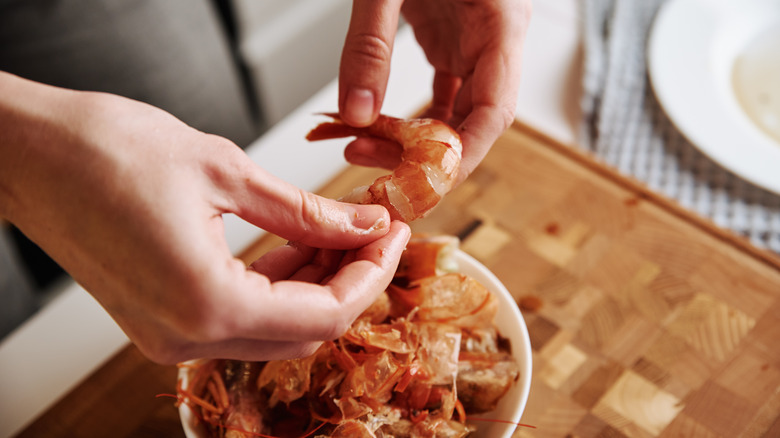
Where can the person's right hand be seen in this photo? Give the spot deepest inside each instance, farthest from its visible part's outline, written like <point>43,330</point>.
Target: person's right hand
<point>128,200</point>
<point>476,50</point>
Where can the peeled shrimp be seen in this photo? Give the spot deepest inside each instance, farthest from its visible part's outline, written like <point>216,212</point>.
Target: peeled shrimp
<point>429,163</point>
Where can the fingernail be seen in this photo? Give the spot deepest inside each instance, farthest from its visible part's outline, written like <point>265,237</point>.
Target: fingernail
<point>368,217</point>
<point>359,107</point>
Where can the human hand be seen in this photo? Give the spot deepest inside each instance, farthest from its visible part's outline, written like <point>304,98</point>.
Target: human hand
<point>475,48</point>
<point>129,200</point>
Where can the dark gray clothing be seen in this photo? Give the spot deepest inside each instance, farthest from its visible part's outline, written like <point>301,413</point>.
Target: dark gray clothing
<point>16,293</point>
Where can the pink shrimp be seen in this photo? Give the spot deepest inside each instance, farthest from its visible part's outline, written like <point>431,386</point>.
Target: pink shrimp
<point>429,163</point>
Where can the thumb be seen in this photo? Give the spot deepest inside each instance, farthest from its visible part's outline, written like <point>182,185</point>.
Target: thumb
<point>295,214</point>
<point>365,60</point>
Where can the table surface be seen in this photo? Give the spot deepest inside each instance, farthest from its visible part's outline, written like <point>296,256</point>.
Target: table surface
<point>645,320</point>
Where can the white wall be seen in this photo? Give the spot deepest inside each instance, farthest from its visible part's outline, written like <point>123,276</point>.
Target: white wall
<point>292,49</point>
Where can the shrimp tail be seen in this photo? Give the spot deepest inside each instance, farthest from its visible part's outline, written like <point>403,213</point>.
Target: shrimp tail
<point>332,129</point>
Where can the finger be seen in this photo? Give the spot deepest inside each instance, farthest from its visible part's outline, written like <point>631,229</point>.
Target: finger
<point>358,283</point>
<point>324,264</point>
<point>346,258</point>
<point>282,262</point>
<point>349,257</point>
<point>245,349</point>
<point>463,104</point>
<point>365,60</point>
<point>297,215</point>
<point>445,88</point>
<point>298,262</point>
<point>489,98</point>
<point>374,152</point>
<point>297,311</point>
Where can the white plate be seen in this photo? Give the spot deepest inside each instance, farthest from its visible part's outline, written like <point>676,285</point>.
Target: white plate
<point>510,324</point>
<point>692,48</point>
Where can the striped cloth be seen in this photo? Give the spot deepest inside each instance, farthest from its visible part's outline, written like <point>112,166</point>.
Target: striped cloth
<point>625,126</point>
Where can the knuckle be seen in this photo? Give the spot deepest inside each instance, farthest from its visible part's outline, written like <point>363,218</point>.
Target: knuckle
<point>507,115</point>
<point>223,143</point>
<point>310,207</point>
<point>233,158</point>
<point>369,48</point>
<point>313,210</point>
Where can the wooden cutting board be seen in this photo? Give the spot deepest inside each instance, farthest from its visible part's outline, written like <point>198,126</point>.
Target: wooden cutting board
<point>645,320</point>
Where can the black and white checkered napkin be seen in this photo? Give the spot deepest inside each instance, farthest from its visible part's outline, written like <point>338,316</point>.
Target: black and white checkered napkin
<point>624,125</point>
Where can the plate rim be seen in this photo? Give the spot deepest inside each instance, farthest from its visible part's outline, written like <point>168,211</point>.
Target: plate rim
<point>751,162</point>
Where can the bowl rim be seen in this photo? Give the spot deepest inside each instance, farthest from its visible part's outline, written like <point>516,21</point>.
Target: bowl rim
<point>521,343</point>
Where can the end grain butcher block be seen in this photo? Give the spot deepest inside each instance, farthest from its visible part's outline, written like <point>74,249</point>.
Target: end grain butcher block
<point>645,320</point>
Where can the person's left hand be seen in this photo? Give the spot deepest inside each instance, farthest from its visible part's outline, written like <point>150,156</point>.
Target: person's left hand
<point>129,201</point>
<point>475,48</point>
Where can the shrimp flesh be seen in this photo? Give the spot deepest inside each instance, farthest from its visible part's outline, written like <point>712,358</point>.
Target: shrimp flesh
<point>430,161</point>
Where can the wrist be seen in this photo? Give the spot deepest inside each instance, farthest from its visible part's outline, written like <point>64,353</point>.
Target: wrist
<point>31,118</point>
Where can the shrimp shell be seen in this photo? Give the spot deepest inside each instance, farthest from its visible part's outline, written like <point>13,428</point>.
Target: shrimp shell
<point>430,161</point>
<point>427,256</point>
<point>427,357</point>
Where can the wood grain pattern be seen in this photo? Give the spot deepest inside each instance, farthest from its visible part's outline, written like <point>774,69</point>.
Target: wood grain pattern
<point>649,323</point>
<point>645,320</point>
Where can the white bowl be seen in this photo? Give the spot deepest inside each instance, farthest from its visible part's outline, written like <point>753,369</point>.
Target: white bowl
<point>510,324</point>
